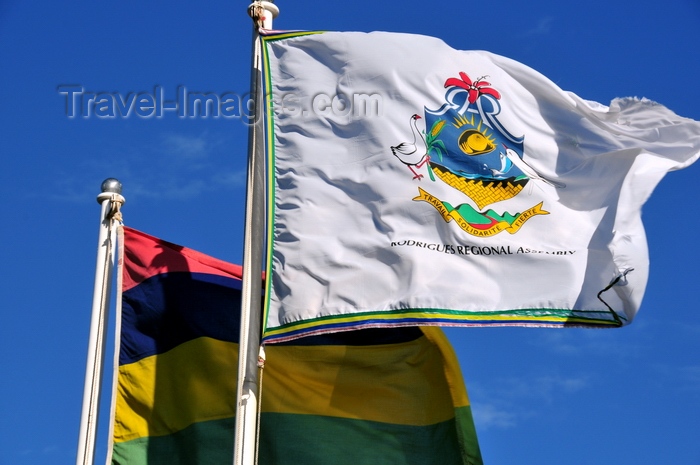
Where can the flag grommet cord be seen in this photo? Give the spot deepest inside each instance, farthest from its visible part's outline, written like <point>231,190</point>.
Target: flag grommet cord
<point>612,283</point>
<point>115,212</point>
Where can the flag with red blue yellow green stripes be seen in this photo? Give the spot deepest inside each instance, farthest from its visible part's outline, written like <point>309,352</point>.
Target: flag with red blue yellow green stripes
<point>382,396</point>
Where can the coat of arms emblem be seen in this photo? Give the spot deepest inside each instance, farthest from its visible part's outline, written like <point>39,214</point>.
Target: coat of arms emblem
<point>464,145</point>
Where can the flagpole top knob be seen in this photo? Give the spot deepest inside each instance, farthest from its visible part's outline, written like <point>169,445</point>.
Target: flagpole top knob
<point>111,190</point>
<point>112,185</point>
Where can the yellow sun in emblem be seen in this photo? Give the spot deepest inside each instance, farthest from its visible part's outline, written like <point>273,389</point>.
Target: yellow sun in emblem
<point>474,140</point>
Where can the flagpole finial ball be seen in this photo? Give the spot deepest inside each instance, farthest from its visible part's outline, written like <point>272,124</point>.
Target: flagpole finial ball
<point>112,185</point>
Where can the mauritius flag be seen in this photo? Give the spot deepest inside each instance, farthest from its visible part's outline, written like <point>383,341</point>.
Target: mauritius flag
<point>382,396</point>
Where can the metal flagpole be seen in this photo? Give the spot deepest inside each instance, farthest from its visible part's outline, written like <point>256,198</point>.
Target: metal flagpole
<point>110,198</point>
<point>245,444</point>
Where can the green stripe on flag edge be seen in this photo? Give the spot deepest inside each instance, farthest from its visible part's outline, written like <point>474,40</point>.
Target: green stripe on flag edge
<point>291,439</point>
<point>288,35</point>
<point>209,442</point>
<point>269,127</point>
<point>553,316</point>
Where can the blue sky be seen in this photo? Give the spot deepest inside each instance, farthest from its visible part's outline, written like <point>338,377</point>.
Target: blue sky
<point>575,397</point>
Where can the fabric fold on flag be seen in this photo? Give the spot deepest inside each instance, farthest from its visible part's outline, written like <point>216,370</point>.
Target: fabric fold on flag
<point>415,184</point>
<point>372,397</point>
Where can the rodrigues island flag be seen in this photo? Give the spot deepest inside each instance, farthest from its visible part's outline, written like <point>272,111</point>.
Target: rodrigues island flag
<point>377,396</point>
<point>415,184</point>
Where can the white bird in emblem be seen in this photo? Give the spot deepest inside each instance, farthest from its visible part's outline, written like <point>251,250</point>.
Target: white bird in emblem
<point>506,165</point>
<point>408,153</point>
<point>527,170</point>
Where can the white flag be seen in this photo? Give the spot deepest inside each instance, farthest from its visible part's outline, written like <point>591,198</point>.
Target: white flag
<point>414,184</point>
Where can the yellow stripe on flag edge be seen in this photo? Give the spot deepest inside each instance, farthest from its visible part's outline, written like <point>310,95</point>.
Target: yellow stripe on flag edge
<point>459,319</point>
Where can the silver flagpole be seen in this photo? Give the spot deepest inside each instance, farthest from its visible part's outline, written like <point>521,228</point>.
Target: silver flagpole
<point>110,198</point>
<point>245,445</point>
